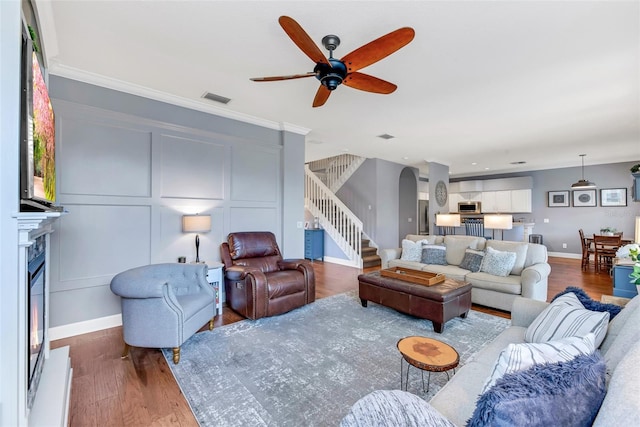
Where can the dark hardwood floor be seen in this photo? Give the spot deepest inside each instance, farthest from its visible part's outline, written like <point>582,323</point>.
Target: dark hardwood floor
<point>140,390</point>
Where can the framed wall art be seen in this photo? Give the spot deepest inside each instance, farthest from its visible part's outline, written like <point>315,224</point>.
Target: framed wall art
<point>558,199</point>
<point>584,198</point>
<point>613,197</point>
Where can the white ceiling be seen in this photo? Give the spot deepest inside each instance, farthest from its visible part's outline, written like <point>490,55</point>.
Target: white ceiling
<point>484,82</point>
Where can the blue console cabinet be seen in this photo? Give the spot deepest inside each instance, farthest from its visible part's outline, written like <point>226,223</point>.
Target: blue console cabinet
<point>622,286</point>
<point>314,244</point>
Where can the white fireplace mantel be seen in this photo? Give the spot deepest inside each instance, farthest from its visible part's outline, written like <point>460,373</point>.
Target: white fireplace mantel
<point>51,404</point>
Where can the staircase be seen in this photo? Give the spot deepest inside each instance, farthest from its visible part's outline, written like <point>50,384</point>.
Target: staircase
<point>370,257</point>
<point>322,179</point>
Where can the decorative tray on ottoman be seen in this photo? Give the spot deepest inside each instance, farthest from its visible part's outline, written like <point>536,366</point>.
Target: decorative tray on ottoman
<point>414,276</point>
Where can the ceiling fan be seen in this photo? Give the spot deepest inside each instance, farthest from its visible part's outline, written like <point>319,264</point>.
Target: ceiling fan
<point>332,72</point>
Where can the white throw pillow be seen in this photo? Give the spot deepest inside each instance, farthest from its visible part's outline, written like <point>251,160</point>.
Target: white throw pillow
<point>518,357</point>
<point>567,317</point>
<point>412,251</point>
<point>498,263</point>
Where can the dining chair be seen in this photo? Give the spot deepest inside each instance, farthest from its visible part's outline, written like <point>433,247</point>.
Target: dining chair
<point>474,226</point>
<point>587,249</point>
<point>605,248</point>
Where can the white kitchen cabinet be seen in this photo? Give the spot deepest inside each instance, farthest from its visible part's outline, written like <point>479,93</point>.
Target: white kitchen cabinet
<point>496,201</point>
<point>521,201</point>
<point>506,201</point>
<point>454,198</point>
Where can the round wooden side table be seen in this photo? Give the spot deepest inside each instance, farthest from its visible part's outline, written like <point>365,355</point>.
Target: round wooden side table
<point>426,354</point>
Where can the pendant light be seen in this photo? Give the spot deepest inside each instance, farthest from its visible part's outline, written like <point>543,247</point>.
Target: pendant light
<point>583,183</point>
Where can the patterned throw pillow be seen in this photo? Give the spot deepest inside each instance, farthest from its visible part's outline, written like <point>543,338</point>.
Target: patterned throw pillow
<point>434,254</point>
<point>498,263</point>
<point>567,317</point>
<point>518,357</point>
<point>411,251</point>
<point>472,260</point>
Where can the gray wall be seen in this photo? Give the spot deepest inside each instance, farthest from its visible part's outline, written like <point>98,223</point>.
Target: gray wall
<point>129,167</point>
<point>563,223</point>
<point>372,194</point>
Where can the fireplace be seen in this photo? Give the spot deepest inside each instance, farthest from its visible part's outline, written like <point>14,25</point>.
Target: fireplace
<point>44,375</point>
<point>36,282</point>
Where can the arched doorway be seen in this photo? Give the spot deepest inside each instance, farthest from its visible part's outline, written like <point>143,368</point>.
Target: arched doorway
<point>407,203</point>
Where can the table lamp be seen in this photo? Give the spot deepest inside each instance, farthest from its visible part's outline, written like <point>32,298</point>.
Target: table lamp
<point>498,222</point>
<point>448,220</point>
<point>196,224</point>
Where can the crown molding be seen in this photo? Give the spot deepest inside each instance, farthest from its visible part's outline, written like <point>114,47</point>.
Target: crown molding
<point>133,89</point>
<point>289,127</point>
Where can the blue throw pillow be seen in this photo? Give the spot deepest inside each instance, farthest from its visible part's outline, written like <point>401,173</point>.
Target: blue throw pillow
<point>434,254</point>
<point>472,260</point>
<point>591,304</point>
<point>553,394</point>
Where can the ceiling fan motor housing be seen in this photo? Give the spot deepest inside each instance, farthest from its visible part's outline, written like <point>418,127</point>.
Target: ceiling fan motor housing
<point>331,77</point>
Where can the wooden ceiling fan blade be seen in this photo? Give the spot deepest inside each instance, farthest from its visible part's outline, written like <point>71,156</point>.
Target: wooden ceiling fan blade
<point>369,83</point>
<point>302,40</point>
<point>276,78</point>
<point>378,49</point>
<point>321,96</point>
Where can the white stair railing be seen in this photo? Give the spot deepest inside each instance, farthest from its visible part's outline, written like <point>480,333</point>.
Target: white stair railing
<point>335,171</point>
<point>342,225</point>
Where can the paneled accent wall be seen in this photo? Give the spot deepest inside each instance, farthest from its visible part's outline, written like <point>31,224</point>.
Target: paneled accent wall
<point>127,172</point>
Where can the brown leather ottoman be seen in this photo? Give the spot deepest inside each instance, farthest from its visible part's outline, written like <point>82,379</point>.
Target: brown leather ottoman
<point>438,303</point>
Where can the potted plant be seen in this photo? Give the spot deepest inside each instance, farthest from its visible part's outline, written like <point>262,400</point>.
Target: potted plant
<point>607,231</point>
<point>635,169</point>
<point>635,276</point>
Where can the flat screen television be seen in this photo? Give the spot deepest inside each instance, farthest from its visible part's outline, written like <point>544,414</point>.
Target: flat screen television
<point>37,134</point>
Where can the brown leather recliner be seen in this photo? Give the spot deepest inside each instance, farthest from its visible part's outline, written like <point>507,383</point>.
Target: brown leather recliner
<point>258,282</point>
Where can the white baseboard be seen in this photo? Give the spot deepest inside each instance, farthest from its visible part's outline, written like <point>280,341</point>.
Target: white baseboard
<point>340,261</point>
<point>85,327</point>
<point>565,255</point>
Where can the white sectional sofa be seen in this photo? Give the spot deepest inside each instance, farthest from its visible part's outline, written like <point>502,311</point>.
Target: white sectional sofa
<point>528,277</point>
<point>454,403</point>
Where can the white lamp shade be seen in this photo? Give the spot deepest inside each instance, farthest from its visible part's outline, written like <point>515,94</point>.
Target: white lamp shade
<point>638,230</point>
<point>448,220</point>
<point>196,223</point>
<point>498,222</point>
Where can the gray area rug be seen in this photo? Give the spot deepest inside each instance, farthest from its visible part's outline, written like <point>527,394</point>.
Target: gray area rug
<point>307,367</point>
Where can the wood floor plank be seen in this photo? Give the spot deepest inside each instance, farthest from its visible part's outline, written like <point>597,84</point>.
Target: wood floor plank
<point>141,391</point>
<point>109,412</point>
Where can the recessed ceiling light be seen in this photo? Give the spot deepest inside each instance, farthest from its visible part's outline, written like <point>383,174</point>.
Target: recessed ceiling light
<point>405,158</point>
<point>386,136</point>
<point>486,169</point>
<point>474,163</point>
<point>345,150</point>
<point>216,98</point>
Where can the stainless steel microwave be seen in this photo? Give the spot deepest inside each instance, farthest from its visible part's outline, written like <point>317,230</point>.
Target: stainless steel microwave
<point>469,207</point>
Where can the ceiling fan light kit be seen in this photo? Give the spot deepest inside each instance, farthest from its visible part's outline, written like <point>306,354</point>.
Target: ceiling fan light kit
<point>583,184</point>
<point>333,72</point>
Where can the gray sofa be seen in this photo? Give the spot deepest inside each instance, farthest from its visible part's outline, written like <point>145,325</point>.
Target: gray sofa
<point>528,278</point>
<point>455,402</point>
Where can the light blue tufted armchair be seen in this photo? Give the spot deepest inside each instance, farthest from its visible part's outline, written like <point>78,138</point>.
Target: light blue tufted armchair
<point>163,305</point>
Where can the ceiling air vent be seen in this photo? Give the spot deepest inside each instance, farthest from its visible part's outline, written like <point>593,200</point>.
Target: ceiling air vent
<point>521,162</point>
<point>386,136</point>
<point>217,98</point>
